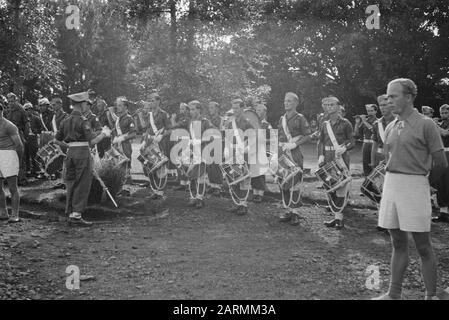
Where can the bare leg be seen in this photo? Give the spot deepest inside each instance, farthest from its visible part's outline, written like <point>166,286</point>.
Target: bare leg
<point>15,197</point>
<point>428,261</point>
<point>399,262</point>
<point>3,209</point>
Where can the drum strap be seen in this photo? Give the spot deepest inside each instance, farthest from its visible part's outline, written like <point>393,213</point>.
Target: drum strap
<point>236,132</point>
<point>53,123</point>
<point>381,131</point>
<point>331,134</point>
<point>285,127</point>
<point>153,125</point>
<point>117,127</point>
<point>43,123</point>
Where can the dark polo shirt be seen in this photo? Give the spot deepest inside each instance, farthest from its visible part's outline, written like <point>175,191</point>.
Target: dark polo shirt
<point>410,144</point>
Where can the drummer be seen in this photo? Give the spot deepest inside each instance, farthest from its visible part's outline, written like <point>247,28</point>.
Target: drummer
<point>214,174</point>
<point>124,131</point>
<point>196,119</point>
<point>327,152</point>
<point>158,132</point>
<point>364,128</point>
<point>378,136</point>
<point>32,145</point>
<point>293,131</point>
<point>239,122</point>
<point>181,120</point>
<point>76,134</point>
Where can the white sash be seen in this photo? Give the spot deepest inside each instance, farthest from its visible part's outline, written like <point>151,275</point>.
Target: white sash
<point>43,123</point>
<point>236,132</point>
<point>331,134</point>
<point>285,127</point>
<point>381,131</point>
<point>53,123</point>
<point>117,127</point>
<point>153,125</point>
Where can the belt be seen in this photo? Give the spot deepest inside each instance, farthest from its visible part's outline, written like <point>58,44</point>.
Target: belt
<point>380,150</point>
<point>329,148</point>
<point>446,149</point>
<point>78,144</point>
<point>367,141</point>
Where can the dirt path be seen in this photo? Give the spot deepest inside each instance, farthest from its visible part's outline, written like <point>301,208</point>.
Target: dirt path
<point>183,253</point>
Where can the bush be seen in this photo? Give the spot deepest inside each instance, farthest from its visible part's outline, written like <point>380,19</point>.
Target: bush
<point>113,176</point>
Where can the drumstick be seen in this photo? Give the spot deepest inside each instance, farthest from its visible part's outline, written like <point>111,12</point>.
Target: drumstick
<point>104,186</point>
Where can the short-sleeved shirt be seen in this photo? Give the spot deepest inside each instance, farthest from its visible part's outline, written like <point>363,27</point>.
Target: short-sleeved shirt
<point>365,132</point>
<point>297,125</point>
<point>7,131</point>
<point>410,144</point>
<point>161,120</point>
<point>93,121</point>
<point>59,117</point>
<point>216,120</point>
<point>75,128</point>
<point>126,123</point>
<point>342,129</point>
<point>444,124</point>
<point>47,118</point>
<point>36,125</point>
<point>376,132</point>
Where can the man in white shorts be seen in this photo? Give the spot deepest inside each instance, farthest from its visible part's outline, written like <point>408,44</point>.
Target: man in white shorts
<point>11,151</point>
<point>412,145</point>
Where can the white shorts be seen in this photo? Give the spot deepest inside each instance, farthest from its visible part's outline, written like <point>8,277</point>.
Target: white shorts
<point>405,203</point>
<point>9,163</point>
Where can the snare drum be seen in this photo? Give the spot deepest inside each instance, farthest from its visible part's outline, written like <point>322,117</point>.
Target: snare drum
<point>373,184</point>
<point>288,173</point>
<point>235,173</point>
<point>152,158</point>
<point>50,158</point>
<point>334,175</point>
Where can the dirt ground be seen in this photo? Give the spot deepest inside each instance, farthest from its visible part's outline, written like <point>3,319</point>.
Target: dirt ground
<point>185,253</point>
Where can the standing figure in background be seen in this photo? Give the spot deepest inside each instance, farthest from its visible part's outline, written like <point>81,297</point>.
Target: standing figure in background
<point>124,130</point>
<point>213,170</point>
<point>158,132</point>
<point>378,136</point>
<point>18,116</point>
<point>102,115</point>
<point>46,114</point>
<point>429,112</point>
<point>336,139</point>
<point>181,120</point>
<point>32,144</point>
<point>294,131</point>
<point>442,184</point>
<point>364,128</point>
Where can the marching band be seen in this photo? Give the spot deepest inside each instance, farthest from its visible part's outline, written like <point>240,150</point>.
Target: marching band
<point>335,136</point>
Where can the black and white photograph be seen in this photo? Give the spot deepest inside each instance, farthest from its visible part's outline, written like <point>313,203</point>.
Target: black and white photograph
<point>224,156</point>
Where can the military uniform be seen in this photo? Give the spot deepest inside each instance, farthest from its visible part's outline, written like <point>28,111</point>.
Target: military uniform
<point>159,120</point>
<point>214,173</point>
<point>443,184</point>
<point>125,125</point>
<point>367,133</point>
<point>343,132</point>
<point>58,117</point>
<point>32,145</point>
<point>47,119</point>
<point>75,130</point>
<point>182,122</point>
<point>378,137</point>
<point>290,130</point>
<point>104,144</point>
<point>194,137</point>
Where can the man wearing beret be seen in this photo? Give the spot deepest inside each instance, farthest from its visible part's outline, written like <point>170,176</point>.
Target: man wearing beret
<point>76,134</point>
